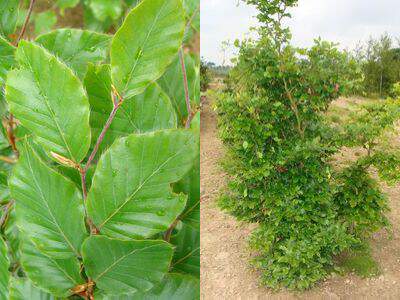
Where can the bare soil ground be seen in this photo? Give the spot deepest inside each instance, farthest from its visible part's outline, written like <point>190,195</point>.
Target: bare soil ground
<point>225,271</point>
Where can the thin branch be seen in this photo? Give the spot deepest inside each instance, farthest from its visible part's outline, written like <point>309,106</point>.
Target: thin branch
<point>186,88</point>
<point>83,182</point>
<point>101,137</point>
<point>168,233</point>
<point>26,22</point>
<point>117,101</point>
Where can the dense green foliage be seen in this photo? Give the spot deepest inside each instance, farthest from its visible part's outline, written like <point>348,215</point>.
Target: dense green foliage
<point>280,144</point>
<point>99,162</point>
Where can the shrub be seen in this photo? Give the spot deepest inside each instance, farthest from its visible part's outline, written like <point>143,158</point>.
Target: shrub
<point>279,147</point>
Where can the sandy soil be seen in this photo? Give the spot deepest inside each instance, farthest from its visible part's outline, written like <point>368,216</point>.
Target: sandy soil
<point>225,272</point>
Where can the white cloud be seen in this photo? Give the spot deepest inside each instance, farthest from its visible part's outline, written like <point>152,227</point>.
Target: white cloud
<point>342,21</point>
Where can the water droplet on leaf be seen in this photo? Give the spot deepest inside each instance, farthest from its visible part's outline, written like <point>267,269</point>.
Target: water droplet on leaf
<point>161,213</point>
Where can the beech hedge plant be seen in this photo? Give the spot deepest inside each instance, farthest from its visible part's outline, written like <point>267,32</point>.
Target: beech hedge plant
<point>280,145</point>
<point>100,159</point>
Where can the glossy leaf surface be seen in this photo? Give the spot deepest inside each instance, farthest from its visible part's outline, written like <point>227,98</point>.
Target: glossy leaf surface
<point>23,289</point>
<point>131,195</point>
<point>55,276</point>
<point>146,44</point>
<point>46,202</point>
<point>190,184</point>
<point>49,100</point>
<point>125,266</point>
<point>76,47</point>
<point>174,286</point>
<point>6,58</point>
<point>4,273</point>
<point>187,253</point>
<point>149,111</point>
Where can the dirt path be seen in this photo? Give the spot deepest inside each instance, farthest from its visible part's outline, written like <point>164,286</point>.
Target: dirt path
<point>225,272</point>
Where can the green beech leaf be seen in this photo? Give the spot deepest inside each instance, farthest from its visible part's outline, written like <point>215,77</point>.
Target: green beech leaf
<point>6,59</point>
<point>190,184</point>
<point>76,47</point>
<point>46,204</point>
<point>173,287</point>
<point>44,21</point>
<point>49,101</point>
<point>104,9</point>
<point>12,236</point>
<point>4,190</point>
<point>23,289</point>
<point>172,84</point>
<point>63,4</point>
<point>187,253</point>
<point>55,276</point>
<point>131,195</point>
<point>150,111</point>
<point>123,267</point>
<point>8,16</point>
<point>146,44</point>
<point>4,273</point>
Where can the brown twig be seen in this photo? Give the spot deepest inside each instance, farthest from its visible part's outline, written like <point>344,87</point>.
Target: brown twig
<point>168,233</point>
<point>26,22</point>
<point>117,101</point>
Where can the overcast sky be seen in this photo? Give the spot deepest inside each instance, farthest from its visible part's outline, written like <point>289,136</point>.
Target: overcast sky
<point>343,21</point>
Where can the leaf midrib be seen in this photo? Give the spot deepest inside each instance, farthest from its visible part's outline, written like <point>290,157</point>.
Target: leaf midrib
<point>122,258</point>
<point>49,210</point>
<point>139,188</point>
<point>36,82</point>
<point>143,45</point>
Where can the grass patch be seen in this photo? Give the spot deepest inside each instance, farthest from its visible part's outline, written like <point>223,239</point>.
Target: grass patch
<point>359,262</point>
